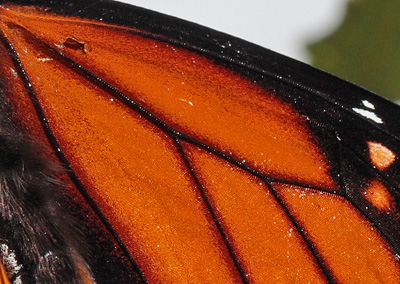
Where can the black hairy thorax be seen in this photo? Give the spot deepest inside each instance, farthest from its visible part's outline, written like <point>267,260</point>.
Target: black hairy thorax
<point>39,241</point>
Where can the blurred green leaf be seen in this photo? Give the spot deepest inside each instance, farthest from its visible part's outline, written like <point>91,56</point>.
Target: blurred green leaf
<point>365,49</point>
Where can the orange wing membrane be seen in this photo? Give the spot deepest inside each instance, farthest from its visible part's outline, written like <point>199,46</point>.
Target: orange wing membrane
<point>3,276</point>
<point>202,172</point>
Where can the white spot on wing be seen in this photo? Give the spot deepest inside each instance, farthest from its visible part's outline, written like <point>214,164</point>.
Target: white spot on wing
<point>368,104</point>
<point>15,74</point>
<point>186,101</point>
<point>368,114</point>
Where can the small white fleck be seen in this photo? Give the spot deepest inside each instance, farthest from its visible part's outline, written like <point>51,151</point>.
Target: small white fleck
<point>18,280</point>
<point>112,99</point>
<point>368,114</point>
<point>44,59</point>
<point>15,74</point>
<point>368,104</point>
<point>186,101</point>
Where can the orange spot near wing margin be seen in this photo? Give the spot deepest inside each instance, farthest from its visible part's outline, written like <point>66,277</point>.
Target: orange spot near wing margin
<point>377,194</point>
<point>380,155</point>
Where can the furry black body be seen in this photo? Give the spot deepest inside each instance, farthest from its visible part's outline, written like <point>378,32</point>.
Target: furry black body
<point>41,242</point>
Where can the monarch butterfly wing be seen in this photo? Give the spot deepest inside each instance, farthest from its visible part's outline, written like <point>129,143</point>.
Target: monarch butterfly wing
<point>197,151</point>
<point>3,277</point>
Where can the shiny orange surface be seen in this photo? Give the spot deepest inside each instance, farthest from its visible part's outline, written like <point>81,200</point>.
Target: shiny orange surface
<point>138,178</point>
<point>350,246</point>
<point>143,207</point>
<point>268,244</point>
<point>177,86</point>
<point>381,156</point>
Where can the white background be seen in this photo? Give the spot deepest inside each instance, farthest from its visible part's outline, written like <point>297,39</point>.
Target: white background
<point>284,26</point>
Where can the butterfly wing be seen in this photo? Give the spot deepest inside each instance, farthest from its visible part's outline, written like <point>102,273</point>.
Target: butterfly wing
<point>204,158</point>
